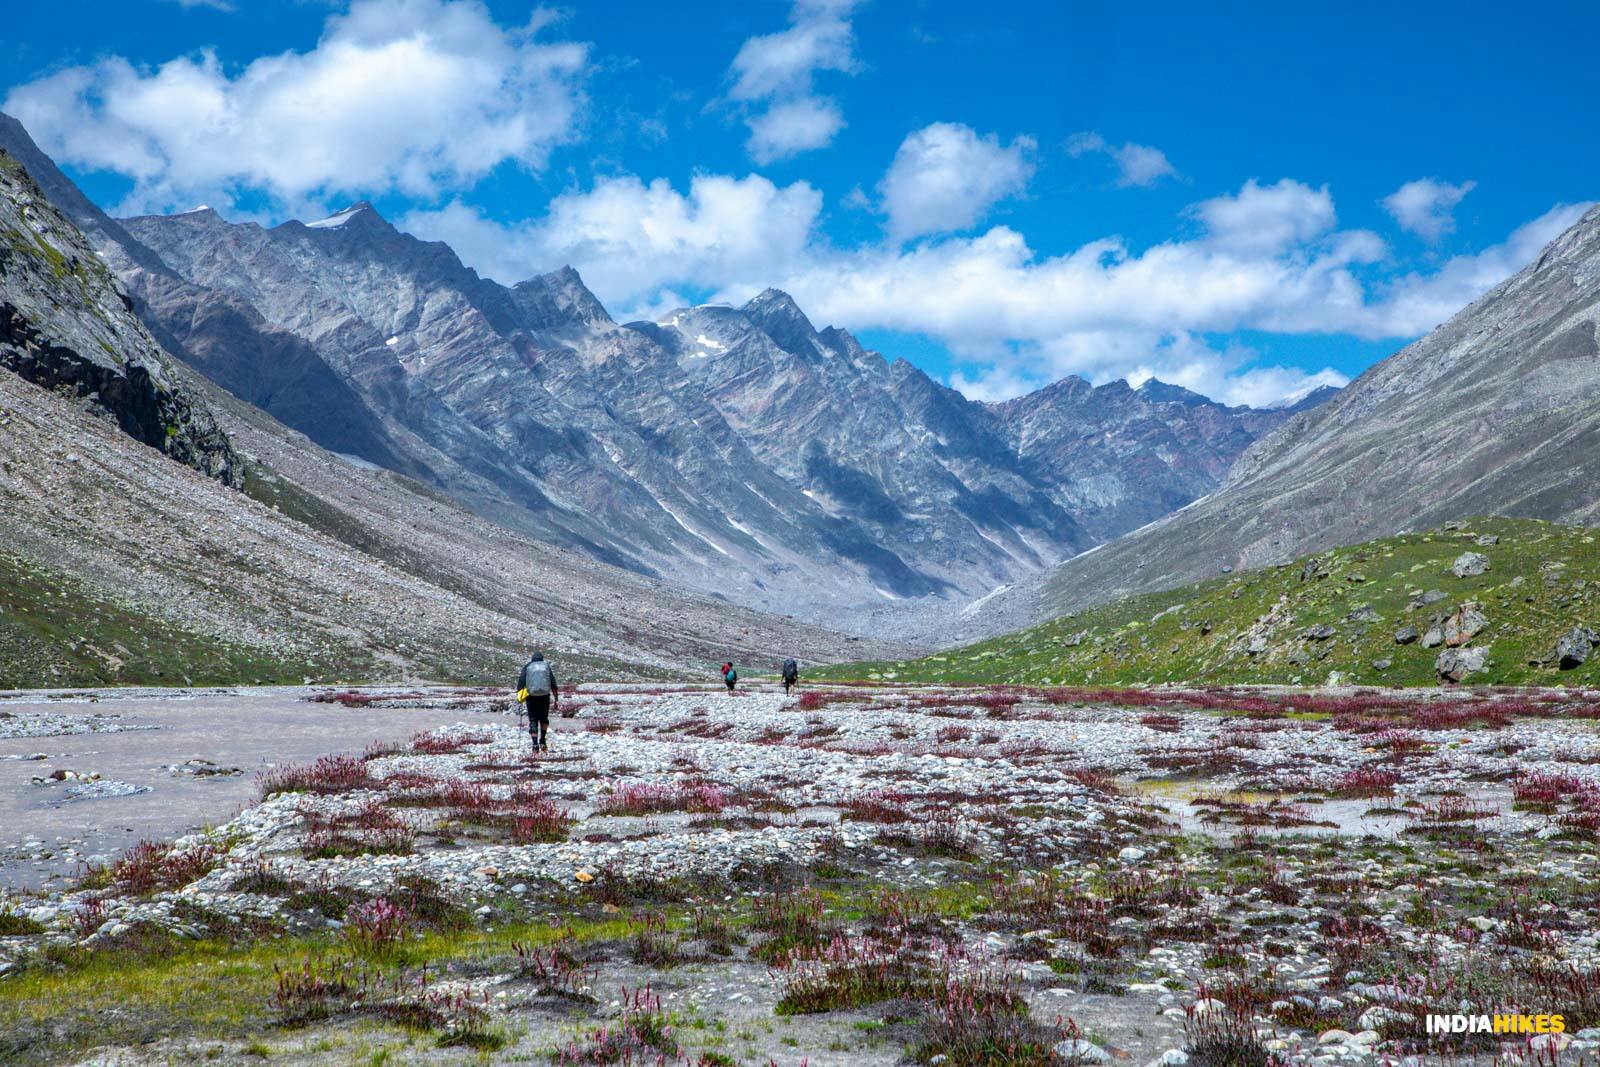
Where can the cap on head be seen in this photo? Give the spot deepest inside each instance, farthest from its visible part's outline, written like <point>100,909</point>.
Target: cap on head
<point>537,654</point>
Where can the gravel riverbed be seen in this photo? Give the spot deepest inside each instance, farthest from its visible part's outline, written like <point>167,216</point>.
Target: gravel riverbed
<point>1075,879</point>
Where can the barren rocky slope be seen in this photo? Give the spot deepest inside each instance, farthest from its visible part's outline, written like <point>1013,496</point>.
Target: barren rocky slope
<point>1495,412</point>
<point>121,565</point>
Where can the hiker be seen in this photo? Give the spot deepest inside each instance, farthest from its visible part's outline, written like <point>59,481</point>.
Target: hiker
<point>791,675</point>
<point>536,688</point>
<point>730,677</point>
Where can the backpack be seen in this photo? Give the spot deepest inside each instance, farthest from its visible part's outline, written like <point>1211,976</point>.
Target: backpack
<point>731,676</point>
<point>791,669</point>
<point>536,678</point>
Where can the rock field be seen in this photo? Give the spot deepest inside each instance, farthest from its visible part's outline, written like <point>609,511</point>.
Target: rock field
<point>862,875</point>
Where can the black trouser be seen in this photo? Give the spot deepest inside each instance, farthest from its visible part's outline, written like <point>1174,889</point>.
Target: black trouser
<point>538,719</point>
<point>788,684</point>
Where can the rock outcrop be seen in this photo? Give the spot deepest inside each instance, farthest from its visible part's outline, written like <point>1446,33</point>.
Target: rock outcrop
<point>67,327</point>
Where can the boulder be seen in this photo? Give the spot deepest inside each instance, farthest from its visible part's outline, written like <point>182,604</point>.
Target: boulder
<point>1455,664</point>
<point>1077,1050</point>
<point>1314,569</point>
<point>1320,632</point>
<point>1465,623</point>
<point>1573,648</point>
<point>1469,565</point>
<point>1364,613</point>
<point>1406,635</point>
<point>1434,637</point>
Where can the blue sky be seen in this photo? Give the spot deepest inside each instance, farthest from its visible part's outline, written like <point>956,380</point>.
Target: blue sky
<point>1245,199</point>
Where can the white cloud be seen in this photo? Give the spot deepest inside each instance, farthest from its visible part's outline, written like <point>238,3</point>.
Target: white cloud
<point>792,127</point>
<point>945,177</point>
<point>993,383</point>
<point>629,239</point>
<point>819,37</point>
<point>1427,207</point>
<point>408,96</point>
<point>1137,164</point>
<point>773,75</point>
<point>1141,164</point>
<point>1266,219</point>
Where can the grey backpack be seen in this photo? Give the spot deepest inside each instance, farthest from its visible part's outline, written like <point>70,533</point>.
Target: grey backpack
<point>536,676</point>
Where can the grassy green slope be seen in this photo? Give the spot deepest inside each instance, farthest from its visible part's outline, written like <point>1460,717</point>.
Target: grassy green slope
<point>1543,580</point>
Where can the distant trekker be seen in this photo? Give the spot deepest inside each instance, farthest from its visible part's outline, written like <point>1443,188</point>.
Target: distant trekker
<point>730,677</point>
<point>791,675</point>
<point>536,688</point>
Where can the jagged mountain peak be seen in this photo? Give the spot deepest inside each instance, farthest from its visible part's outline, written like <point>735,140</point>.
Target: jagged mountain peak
<point>1159,392</point>
<point>560,298</point>
<point>781,319</point>
<point>1306,400</point>
<point>770,302</point>
<point>1062,389</point>
<point>200,215</point>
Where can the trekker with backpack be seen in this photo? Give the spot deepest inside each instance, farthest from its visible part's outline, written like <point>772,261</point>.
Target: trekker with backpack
<point>791,675</point>
<point>536,688</point>
<point>730,677</point>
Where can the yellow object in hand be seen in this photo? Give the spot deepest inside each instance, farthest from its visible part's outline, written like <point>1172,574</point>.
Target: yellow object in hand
<point>522,695</point>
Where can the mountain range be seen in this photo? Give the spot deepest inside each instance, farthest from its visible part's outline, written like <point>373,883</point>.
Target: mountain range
<point>736,451</point>
<point>155,528</point>
<point>726,455</point>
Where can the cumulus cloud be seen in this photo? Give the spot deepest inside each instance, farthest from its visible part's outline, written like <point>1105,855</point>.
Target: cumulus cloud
<point>408,96</point>
<point>1137,164</point>
<point>946,177</point>
<point>1265,219</point>
<point>792,127</point>
<point>773,75</point>
<point>1427,207</point>
<point>819,37</point>
<point>630,239</point>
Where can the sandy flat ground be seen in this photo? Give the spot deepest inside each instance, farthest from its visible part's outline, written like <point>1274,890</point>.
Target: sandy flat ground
<point>248,728</point>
